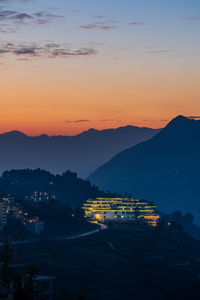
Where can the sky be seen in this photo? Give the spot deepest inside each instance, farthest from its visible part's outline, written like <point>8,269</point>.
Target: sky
<point>70,65</point>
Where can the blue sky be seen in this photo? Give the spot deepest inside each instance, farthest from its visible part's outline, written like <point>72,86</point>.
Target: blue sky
<point>163,20</point>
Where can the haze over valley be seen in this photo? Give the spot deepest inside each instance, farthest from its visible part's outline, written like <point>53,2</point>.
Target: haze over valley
<point>82,153</point>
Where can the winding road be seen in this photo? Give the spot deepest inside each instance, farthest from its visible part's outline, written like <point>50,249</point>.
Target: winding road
<point>73,237</point>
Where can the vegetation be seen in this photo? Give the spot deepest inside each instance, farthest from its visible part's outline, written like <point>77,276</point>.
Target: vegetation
<point>17,281</point>
<point>67,188</point>
<point>127,261</point>
<point>186,221</point>
<point>15,230</point>
<point>59,218</point>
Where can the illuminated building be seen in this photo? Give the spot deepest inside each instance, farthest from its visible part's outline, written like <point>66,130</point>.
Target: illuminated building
<point>121,209</point>
<point>6,202</point>
<point>34,225</point>
<point>8,198</point>
<point>3,213</point>
<point>39,196</point>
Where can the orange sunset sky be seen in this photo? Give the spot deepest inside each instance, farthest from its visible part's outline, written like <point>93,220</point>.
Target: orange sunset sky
<point>100,64</point>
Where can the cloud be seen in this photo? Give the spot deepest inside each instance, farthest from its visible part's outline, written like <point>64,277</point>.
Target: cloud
<point>44,17</point>
<point>97,26</point>
<point>106,20</point>
<point>7,14</point>
<point>7,30</point>
<point>193,117</point>
<point>49,50</point>
<point>12,17</point>
<point>159,51</point>
<point>86,121</point>
<point>136,23</point>
<point>7,1</point>
<point>151,120</point>
<point>191,18</point>
<point>99,17</point>
<point>77,121</point>
<point>147,120</point>
<point>109,120</point>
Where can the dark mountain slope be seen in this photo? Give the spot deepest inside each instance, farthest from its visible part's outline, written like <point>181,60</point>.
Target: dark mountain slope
<point>67,188</point>
<point>82,153</point>
<point>164,169</point>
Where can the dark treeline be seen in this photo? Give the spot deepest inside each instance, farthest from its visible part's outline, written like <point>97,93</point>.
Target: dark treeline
<point>187,222</point>
<point>67,188</point>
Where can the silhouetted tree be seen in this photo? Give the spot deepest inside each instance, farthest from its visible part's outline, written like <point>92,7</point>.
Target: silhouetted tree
<point>5,267</point>
<point>29,287</point>
<point>189,218</point>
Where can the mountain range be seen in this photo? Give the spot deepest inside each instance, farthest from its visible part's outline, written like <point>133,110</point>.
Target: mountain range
<point>165,169</point>
<point>82,153</point>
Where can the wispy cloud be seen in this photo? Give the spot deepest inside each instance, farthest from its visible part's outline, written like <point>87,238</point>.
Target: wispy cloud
<point>77,121</point>
<point>87,121</point>
<point>191,19</point>
<point>96,26</point>
<point>159,51</point>
<point>10,18</point>
<point>99,17</point>
<point>109,120</point>
<point>49,50</point>
<point>5,1</point>
<point>193,117</point>
<point>45,17</point>
<point>136,23</point>
<point>7,30</point>
<point>151,120</point>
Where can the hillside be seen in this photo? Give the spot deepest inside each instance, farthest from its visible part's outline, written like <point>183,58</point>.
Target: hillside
<point>164,169</point>
<point>67,188</point>
<point>127,261</point>
<point>82,153</point>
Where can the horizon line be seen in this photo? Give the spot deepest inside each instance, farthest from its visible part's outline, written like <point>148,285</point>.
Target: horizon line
<point>73,135</point>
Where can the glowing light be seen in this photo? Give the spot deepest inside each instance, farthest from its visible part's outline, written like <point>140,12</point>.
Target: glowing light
<point>104,209</point>
<point>98,217</point>
<point>151,217</point>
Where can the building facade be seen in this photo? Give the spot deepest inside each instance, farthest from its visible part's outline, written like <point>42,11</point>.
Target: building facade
<point>121,210</point>
<point>3,213</point>
<point>35,225</point>
<point>39,196</point>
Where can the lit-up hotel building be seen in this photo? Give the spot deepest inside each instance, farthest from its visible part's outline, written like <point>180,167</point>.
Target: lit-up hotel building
<point>121,209</point>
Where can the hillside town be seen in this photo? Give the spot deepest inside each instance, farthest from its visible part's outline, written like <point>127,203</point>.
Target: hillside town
<point>10,208</point>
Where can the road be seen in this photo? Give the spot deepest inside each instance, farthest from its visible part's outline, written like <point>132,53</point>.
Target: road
<point>73,237</point>
<point>63,238</point>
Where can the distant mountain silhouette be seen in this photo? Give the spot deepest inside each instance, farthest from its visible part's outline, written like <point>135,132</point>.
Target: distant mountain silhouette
<point>82,153</point>
<point>165,169</point>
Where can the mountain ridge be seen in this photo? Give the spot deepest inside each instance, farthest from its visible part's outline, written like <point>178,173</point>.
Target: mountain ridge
<point>90,130</point>
<point>163,169</point>
<point>82,153</point>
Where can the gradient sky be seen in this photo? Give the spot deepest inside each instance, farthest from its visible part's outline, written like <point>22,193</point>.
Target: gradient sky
<point>66,66</point>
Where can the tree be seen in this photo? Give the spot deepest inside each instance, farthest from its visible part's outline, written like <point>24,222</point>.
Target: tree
<point>29,287</point>
<point>189,218</point>
<point>5,267</point>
